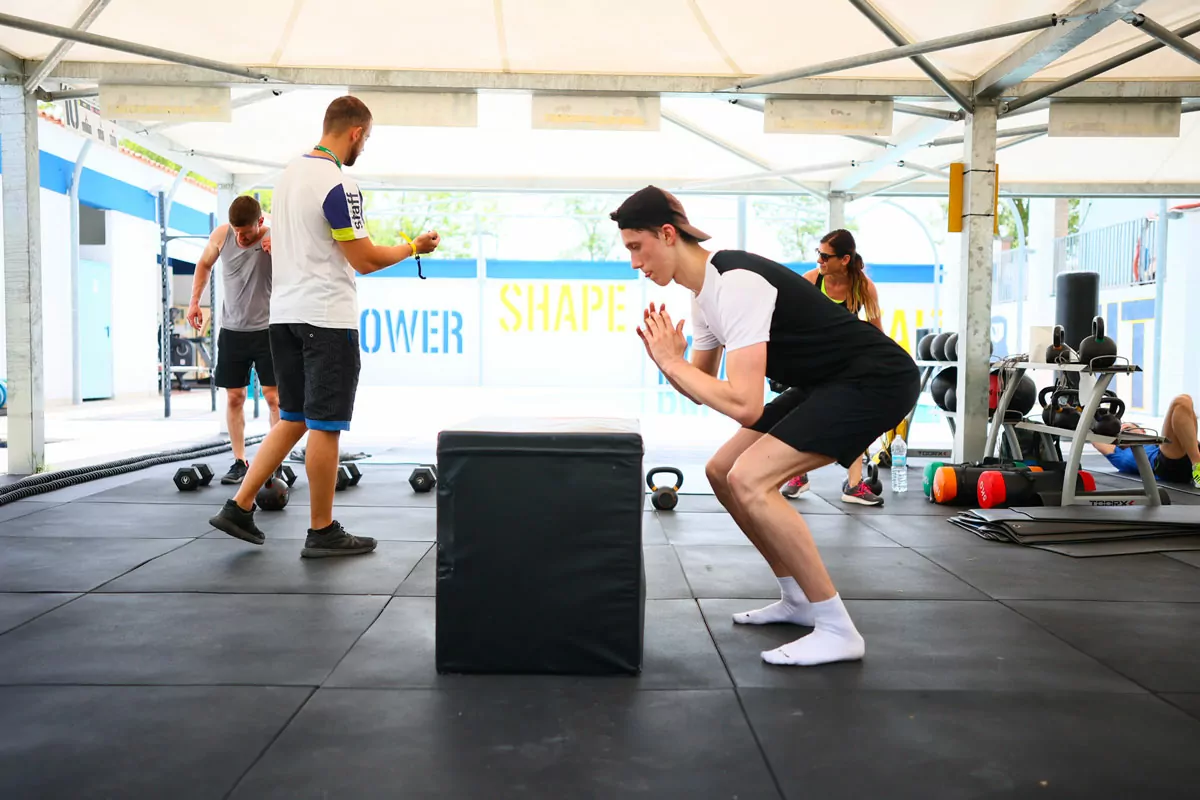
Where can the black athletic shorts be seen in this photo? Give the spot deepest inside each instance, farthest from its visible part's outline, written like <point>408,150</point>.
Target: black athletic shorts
<point>237,352</point>
<point>318,374</point>
<point>1172,470</point>
<point>841,419</point>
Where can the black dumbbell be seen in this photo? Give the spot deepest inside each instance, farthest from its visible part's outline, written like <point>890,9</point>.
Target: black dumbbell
<point>664,498</point>
<point>355,473</point>
<point>343,478</point>
<point>423,479</point>
<point>189,479</point>
<point>288,474</point>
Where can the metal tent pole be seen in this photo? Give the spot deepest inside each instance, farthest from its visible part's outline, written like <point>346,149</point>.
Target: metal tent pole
<point>71,34</point>
<point>1165,35</point>
<point>905,51</point>
<point>212,323</point>
<point>165,336</point>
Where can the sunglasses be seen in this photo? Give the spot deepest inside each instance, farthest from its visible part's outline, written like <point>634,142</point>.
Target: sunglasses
<point>823,257</point>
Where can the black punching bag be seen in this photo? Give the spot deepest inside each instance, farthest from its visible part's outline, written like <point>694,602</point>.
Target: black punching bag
<point>1077,302</point>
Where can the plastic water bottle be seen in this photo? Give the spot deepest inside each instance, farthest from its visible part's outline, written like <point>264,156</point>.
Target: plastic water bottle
<point>899,465</point>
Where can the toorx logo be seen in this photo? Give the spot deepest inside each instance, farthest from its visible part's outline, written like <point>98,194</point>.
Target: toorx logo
<point>1113,502</point>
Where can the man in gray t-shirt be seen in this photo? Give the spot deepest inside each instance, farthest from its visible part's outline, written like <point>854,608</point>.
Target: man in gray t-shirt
<point>243,341</point>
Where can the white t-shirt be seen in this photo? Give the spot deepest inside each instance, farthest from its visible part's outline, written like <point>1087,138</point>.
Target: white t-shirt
<point>735,308</point>
<point>314,207</point>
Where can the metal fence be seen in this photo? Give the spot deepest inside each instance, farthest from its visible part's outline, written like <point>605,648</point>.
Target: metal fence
<point>1123,254</point>
<point>1010,276</point>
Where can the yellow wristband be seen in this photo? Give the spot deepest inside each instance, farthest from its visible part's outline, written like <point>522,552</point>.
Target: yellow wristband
<point>409,242</point>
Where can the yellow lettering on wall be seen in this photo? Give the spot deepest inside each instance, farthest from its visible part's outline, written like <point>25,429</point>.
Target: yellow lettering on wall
<point>515,325</point>
<point>597,305</point>
<point>614,307</point>
<point>900,322</point>
<point>565,299</point>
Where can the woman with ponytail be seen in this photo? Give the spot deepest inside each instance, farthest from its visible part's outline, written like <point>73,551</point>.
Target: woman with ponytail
<point>841,276</point>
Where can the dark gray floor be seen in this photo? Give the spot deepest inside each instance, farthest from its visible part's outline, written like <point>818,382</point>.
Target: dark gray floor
<point>143,655</point>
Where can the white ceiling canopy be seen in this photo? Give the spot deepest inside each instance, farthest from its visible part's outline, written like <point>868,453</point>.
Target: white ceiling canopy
<point>288,58</point>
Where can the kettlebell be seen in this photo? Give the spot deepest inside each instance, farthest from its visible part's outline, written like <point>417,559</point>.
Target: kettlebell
<point>1098,351</point>
<point>1063,414</point>
<point>664,498</point>
<point>871,478</point>
<point>1044,401</point>
<point>1108,417</point>
<point>1058,352</point>
<point>273,496</point>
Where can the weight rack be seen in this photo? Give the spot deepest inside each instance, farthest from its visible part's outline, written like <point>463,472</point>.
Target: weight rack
<point>1081,435</point>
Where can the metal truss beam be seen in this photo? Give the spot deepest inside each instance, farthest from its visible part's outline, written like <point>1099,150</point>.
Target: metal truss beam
<point>121,45</point>
<point>1048,46</point>
<point>1166,36</point>
<point>1029,99</point>
<point>904,51</point>
<point>1183,190</point>
<point>60,50</point>
<point>881,22</point>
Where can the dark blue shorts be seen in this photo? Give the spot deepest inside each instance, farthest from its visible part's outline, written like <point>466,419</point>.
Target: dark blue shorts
<point>316,370</point>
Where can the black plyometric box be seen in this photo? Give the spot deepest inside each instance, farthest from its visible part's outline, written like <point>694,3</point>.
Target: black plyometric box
<point>539,547</point>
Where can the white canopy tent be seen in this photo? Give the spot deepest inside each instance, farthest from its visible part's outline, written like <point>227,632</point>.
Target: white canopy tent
<point>974,72</point>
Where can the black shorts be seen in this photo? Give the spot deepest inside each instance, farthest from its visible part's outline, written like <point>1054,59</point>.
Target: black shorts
<point>237,352</point>
<point>318,374</point>
<point>1172,470</point>
<point>841,419</point>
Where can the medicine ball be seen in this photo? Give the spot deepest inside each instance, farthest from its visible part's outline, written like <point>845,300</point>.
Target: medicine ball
<point>938,348</point>
<point>940,383</point>
<point>950,400</point>
<point>951,347</point>
<point>924,347</point>
<point>1024,397</point>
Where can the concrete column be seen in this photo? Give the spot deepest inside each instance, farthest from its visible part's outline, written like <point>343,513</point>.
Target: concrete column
<point>741,222</point>
<point>975,284</point>
<point>76,359</point>
<point>22,279</point>
<point>837,210</point>
<point>1062,227</point>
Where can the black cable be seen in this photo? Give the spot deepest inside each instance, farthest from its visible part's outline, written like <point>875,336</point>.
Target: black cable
<point>52,481</point>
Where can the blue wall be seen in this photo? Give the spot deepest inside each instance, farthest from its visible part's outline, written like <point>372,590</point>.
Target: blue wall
<point>98,190</point>
<point>603,270</point>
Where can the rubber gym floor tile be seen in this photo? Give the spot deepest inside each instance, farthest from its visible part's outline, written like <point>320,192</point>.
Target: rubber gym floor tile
<point>828,530</point>
<point>398,653</point>
<point>1155,644</point>
<point>20,508</point>
<point>136,741</point>
<point>1188,702</point>
<point>231,566</point>
<point>385,524</point>
<point>652,529</point>
<point>926,531</point>
<point>664,576</point>
<point>871,573</point>
<point>935,745</point>
<point>928,645</point>
<point>910,504</point>
<point>52,564</point>
<point>1013,572</point>
<point>1192,558</point>
<point>16,609</point>
<point>598,742</point>
<point>262,640</point>
<point>113,520</point>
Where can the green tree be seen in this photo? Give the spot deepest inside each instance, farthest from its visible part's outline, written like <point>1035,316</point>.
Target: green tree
<point>134,147</point>
<point>264,198</point>
<point>452,214</point>
<point>799,222</point>
<point>1008,225</point>
<point>1074,218</point>
<point>590,212</point>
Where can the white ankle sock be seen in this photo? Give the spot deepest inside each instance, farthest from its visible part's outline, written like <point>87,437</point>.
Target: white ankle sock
<point>834,638</point>
<point>792,607</point>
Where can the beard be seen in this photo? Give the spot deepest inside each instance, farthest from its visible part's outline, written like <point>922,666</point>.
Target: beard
<point>353,156</point>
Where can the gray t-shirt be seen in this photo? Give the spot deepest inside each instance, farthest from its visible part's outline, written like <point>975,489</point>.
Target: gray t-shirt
<point>246,285</point>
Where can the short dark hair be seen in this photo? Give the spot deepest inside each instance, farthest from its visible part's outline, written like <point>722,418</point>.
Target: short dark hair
<point>244,211</point>
<point>346,112</point>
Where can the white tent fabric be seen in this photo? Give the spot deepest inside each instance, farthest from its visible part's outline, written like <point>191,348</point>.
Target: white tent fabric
<point>722,40</point>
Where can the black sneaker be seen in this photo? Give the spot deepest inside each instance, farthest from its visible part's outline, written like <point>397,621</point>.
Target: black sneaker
<point>334,541</point>
<point>238,523</point>
<point>236,473</point>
